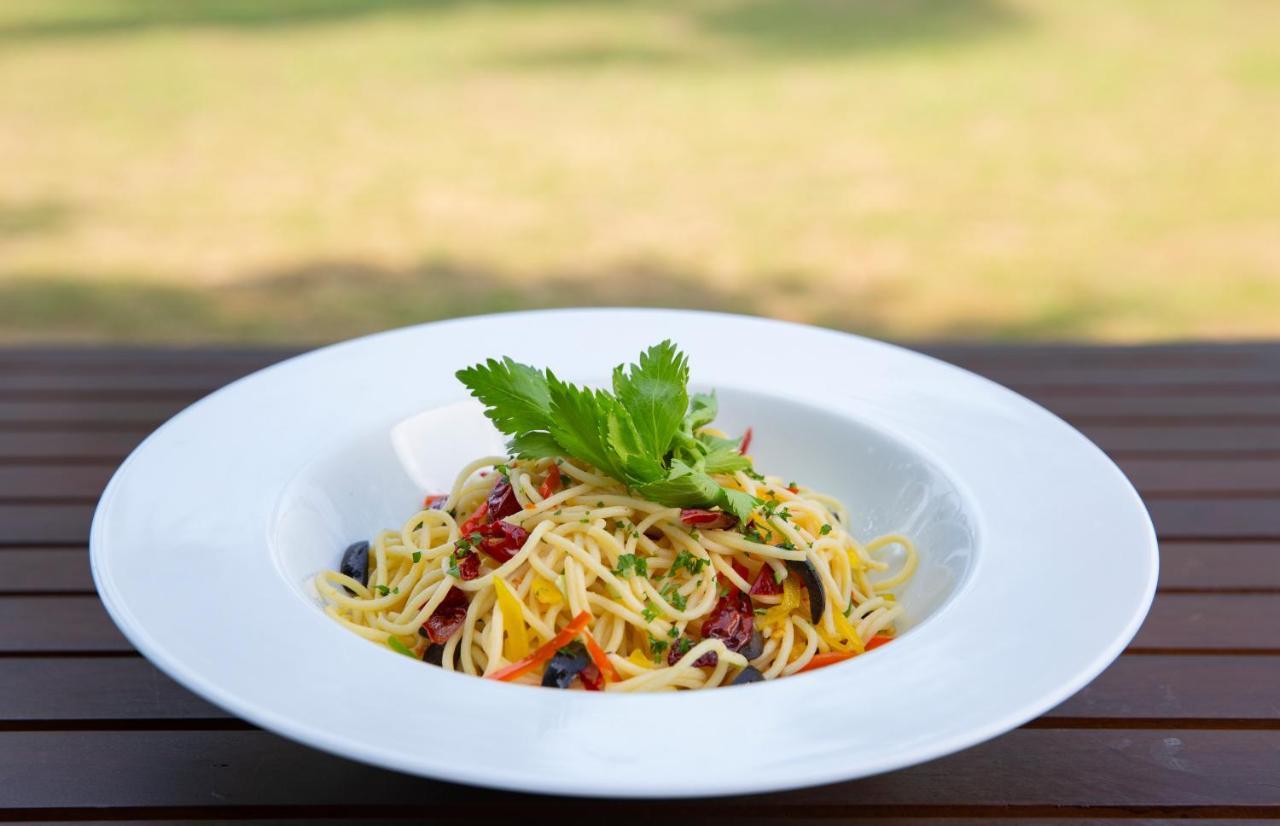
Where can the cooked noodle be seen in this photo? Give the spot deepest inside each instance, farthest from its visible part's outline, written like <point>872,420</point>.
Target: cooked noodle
<point>578,536</point>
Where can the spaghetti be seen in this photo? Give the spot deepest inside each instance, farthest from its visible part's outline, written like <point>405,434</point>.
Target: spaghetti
<point>489,580</point>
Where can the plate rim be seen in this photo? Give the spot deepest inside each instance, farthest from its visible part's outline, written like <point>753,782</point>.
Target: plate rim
<point>268,719</point>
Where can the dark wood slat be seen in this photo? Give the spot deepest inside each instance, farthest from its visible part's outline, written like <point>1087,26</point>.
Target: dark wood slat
<point>1215,518</point>
<point>1029,768</point>
<point>1166,687</point>
<point>45,524</point>
<point>1153,477</point>
<point>1212,622</point>
<point>45,570</point>
<point>1171,687</point>
<point>796,817</point>
<point>73,688</point>
<point>1208,565</point>
<point>1204,622</point>
<point>1214,439</point>
<point>58,481</point>
<point>80,444</point>
<point>136,415</point>
<point>1191,408</point>
<point>57,624</point>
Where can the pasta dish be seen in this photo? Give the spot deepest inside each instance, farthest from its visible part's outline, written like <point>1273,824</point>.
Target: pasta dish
<point>624,544</point>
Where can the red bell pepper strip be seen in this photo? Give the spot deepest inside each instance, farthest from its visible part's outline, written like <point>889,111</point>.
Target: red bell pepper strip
<point>552,483</point>
<point>546,651</point>
<point>475,520</point>
<point>746,442</point>
<point>607,671</point>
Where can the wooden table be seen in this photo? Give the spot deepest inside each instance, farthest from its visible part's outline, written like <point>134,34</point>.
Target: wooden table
<point>1185,724</point>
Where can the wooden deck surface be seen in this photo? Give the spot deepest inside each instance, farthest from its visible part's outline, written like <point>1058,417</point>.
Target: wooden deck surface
<point>1186,724</point>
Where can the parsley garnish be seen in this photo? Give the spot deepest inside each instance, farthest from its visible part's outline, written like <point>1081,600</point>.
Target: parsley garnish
<point>824,530</point>
<point>671,595</point>
<point>753,535</point>
<point>657,646</point>
<point>650,612</point>
<point>630,562</point>
<point>417,556</point>
<point>672,632</point>
<point>643,432</point>
<point>382,589</point>
<point>682,646</point>
<point>684,559</point>
<point>787,545</point>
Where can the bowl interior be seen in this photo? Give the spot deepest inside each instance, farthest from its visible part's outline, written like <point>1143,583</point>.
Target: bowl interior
<point>377,480</point>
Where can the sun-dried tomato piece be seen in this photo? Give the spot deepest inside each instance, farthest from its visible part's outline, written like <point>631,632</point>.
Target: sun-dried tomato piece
<point>502,500</point>
<point>766,584</point>
<point>501,540</point>
<point>731,620</point>
<point>447,618</point>
<point>677,651</point>
<point>469,566</point>
<point>710,520</point>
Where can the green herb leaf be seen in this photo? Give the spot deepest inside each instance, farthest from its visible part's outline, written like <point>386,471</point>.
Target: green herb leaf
<point>580,422</point>
<point>826,529</point>
<point>702,411</point>
<point>515,395</point>
<point>654,392</point>
<point>535,444</point>
<point>417,556</point>
<point>632,565</point>
<point>395,645</point>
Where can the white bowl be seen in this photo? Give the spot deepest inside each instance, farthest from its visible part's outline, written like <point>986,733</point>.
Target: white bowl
<point>1038,560</point>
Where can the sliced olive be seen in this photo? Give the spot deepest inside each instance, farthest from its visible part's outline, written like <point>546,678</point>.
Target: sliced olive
<point>355,563</point>
<point>565,665</point>
<point>434,654</point>
<point>754,647</point>
<point>750,674</point>
<point>812,583</point>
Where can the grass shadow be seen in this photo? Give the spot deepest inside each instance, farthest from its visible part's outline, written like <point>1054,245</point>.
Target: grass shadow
<point>328,300</point>
<point>766,28</point>
<point>22,219</point>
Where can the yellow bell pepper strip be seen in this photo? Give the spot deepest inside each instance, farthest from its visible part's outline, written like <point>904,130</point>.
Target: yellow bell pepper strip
<point>846,637</point>
<point>829,658</point>
<point>517,645</point>
<point>546,651</point>
<point>601,659</point>
<point>790,601</point>
<point>545,592</point>
<point>638,658</point>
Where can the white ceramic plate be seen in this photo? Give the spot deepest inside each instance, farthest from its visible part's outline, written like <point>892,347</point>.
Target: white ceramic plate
<point>1038,558</point>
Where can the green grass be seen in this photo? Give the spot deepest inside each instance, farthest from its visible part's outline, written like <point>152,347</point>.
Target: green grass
<point>312,169</point>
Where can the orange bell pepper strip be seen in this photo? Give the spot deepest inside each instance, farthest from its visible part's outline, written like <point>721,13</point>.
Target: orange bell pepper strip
<point>826,659</point>
<point>546,651</point>
<point>878,640</point>
<point>600,658</point>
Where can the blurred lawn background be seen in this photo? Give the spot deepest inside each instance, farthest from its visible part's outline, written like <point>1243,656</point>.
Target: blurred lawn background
<point>305,170</point>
